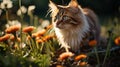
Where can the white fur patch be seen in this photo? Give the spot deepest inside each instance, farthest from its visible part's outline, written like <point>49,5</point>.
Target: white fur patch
<point>72,38</point>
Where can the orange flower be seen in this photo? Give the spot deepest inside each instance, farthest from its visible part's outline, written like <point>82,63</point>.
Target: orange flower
<point>28,38</point>
<point>92,43</point>
<point>50,26</point>
<point>38,34</point>
<point>65,55</point>
<point>83,64</point>
<point>59,66</point>
<point>5,37</point>
<point>117,40</point>
<point>12,37</point>
<point>47,37</point>
<point>12,29</point>
<point>28,29</point>
<point>79,57</point>
<point>34,35</point>
<point>40,41</point>
<point>38,38</point>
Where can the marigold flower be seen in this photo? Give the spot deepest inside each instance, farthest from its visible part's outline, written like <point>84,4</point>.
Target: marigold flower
<point>28,38</point>
<point>12,37</point>
<point>59,66</point>
<point>39,33</point>
<point>83,64</point>
<point>79,57</point>
<point>28,29</point>
<point>5,37</point>
<point>40,41</point>
<point>92,43</point>
<point>6,4</point>
<point>47,37</point>
<point>65,55</point>
<point>38,38</point>
<point>117,40</point>
<point>12,29</point>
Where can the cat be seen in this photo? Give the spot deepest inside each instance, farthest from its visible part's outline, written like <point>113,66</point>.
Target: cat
<point>74,24</point>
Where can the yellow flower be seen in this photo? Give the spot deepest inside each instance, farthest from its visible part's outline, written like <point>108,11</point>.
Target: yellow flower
<point>6,4</point>
<point>21,11</point>
<point>12,29</point>
<point>30,9</point>
<point>28,29</point>
<point>92,43</point>
<point>117,40</point>
<point>79,57</point>
<point>65,55</point>
<point>5,37</point>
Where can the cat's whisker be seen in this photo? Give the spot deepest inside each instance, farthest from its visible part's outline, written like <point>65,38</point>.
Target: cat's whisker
<point>48,12</point>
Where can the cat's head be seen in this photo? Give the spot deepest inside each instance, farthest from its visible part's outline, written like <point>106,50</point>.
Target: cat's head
<point>66,17</point>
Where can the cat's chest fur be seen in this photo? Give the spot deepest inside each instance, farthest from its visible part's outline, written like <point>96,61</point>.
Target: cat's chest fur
<point>72,38</point>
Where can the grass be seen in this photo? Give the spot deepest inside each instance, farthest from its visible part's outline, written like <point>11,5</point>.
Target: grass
<point>31,45</point>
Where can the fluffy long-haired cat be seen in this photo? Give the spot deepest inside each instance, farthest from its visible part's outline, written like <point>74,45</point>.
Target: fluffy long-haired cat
<point>74,24</point>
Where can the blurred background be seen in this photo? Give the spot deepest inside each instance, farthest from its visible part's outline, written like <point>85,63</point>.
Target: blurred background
<point>105,9</point>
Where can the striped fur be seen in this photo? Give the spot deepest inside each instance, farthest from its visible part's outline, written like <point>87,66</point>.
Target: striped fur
<point>72,23</point>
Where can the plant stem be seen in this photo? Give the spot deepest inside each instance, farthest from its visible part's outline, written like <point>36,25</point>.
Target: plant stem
<point>7,17</point>
<point>31,19</point>
<point>97,56</point>
<point>35,21</point>
<point>108,50</point>
<point>20,4</point>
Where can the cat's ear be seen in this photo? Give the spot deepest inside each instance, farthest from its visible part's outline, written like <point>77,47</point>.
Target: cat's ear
<point>73,3</point>
<point>74,6</point>
<point>53,6</point>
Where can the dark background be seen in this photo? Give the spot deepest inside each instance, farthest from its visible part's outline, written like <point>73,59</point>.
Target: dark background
<point>101,7</point>
<point>105,9</point>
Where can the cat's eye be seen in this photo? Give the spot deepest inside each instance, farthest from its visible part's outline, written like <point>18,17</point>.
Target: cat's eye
<point>73,22</point>
<point>65,18</point>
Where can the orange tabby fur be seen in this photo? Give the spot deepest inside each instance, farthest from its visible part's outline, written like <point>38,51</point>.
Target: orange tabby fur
<point>73,23</point>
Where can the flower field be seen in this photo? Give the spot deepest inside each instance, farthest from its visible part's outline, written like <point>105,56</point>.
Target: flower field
<point>33,43</point>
